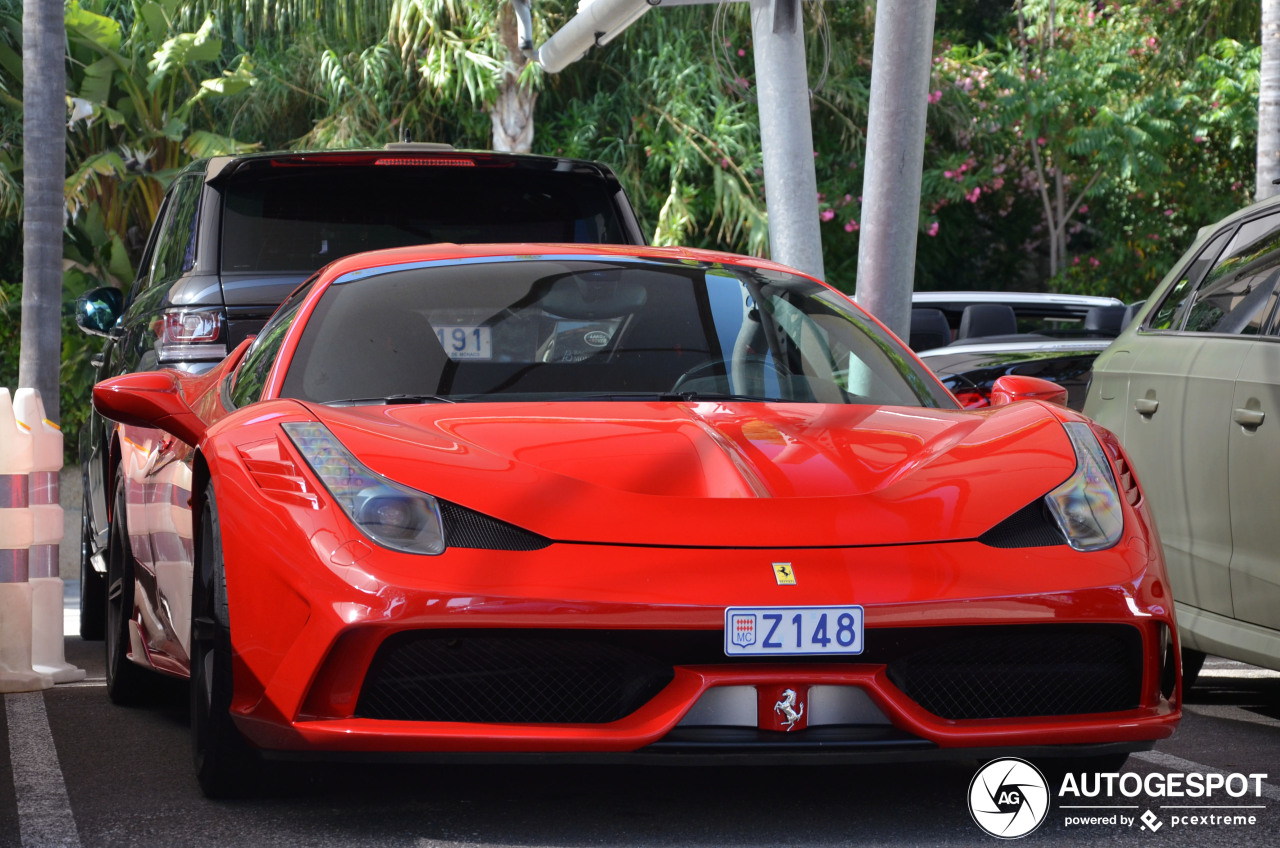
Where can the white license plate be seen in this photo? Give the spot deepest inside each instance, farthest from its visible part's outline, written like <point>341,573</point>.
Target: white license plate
<point>462,341</point>
<point>791,631</point>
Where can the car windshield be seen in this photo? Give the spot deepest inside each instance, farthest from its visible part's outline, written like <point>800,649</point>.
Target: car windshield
<point>609,328</point>
<point>296,219</point>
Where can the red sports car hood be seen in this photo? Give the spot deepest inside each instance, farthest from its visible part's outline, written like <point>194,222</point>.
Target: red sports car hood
<point>719,474</point>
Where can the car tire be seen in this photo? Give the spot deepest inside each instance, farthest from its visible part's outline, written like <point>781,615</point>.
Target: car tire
<point>93,586</point>
<point>226,765</point>
<point>127,682</point>
<point>1192,662</point>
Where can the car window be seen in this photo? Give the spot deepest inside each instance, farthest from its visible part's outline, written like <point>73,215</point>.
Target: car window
<point>300,218</point>
<point>1239,294</point>
<point>143,278</point>
<point>562,329</point>
<point>175,249</point>
<point>1172,310</point>
<point>251,373</point>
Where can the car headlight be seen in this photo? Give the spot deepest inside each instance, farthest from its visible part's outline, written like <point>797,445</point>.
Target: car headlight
<point>390,514</point>
<point>1086,507</point>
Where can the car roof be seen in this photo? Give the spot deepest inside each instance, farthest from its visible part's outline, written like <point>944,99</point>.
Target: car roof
<point>221,167</point>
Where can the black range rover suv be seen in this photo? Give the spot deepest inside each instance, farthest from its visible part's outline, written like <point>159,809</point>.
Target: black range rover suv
<point>235,235</point>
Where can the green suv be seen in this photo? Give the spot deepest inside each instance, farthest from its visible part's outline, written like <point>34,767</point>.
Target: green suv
<point>1192,387</point>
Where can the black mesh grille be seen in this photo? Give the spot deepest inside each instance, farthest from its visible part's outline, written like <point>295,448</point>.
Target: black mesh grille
<point>1029,527</point>
<point>466,528</point>
<point>1024,671</point>
<point>517,677</point>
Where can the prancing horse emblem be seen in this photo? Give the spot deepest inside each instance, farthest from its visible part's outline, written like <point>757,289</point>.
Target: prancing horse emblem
<point>787,707</point>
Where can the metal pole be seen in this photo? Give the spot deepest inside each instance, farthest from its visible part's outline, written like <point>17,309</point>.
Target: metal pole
<point>786,134</point>
<point>900,66</point>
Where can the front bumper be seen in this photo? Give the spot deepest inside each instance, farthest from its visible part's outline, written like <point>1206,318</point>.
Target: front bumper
<point>312,633</point>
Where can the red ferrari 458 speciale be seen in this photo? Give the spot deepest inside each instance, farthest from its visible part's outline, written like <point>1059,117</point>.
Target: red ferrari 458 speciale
<point>663,505</point>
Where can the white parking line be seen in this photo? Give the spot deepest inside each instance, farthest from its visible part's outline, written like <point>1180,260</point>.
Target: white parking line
<point>44,810</point>
<point>1168,761</point>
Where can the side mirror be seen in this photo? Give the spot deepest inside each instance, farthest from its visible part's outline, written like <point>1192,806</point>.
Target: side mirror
<point>97,310</point>
<point>1015,387</point>
<point>149,399</point>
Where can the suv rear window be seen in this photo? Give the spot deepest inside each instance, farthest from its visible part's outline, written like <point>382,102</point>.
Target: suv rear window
<point>300,218</point>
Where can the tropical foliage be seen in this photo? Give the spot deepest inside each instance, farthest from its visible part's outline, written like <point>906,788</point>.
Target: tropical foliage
<point>1072,145</point>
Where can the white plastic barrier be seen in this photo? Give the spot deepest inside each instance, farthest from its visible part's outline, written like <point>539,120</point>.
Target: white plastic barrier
<point>48,649</point>
<point>17,532</point>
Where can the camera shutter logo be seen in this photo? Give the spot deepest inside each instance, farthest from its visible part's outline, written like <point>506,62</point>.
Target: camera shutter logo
<point>1008,798</point>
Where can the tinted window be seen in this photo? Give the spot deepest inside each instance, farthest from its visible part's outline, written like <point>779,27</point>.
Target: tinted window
<point>251,375</point>
<point>1239,293</point>
<point>175,250</point>
<point>1172,310</point>
<point>302,217</point>
<point>562,329</point>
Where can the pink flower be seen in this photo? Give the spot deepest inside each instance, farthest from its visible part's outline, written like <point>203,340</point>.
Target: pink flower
<point>933,230</point>
<point>1199,139</point>
<point>948,174</point>
<point>849,197</point>
<point>1093,260</point>
<point>1075,261</point>
<point>724,163</point>
<point>973,196</point>
<point>827,214</point>
<point>1168,213</point>
<point>997,184</point>
<point>1042,141</point>
<point>741,52</point>
<point>1083,209</point>
<point>851,226</point>
<point>935,96</point>
<point>1151,41</point>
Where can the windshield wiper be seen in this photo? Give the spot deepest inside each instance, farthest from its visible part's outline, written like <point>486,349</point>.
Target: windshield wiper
<point>691,397</point>
<point>687,397</point>
<point>390,400</point>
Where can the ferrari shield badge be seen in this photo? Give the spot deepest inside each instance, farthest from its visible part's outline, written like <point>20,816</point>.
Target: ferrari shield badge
<point>784,574</point>
<point>743,630</point>
<point>782,708</point>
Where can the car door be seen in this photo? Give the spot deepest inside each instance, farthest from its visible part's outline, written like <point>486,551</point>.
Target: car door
<point>1180,402</point>
<point>1254,445</point>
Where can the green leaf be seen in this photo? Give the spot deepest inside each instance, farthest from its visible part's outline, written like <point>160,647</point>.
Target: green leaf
<point>98,29</point>
<point>174,129</point>
<point>10,61</point>
<point>96,86</point>
<point>118,263</point>
<point>179,52</point>
<point>201,144</point>
<point>156,21</point>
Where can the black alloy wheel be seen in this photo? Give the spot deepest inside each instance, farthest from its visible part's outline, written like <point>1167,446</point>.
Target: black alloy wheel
<point>93,586</point>
<point>226,765</point>
<point>127,682</point>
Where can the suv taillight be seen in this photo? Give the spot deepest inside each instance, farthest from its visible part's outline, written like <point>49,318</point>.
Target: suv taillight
<point>190,334</point>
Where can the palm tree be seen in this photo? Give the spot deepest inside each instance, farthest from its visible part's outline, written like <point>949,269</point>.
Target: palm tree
<point>44,116</point>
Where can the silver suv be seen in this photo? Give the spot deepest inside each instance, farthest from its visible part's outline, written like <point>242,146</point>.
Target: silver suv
<point>1193,390</point>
